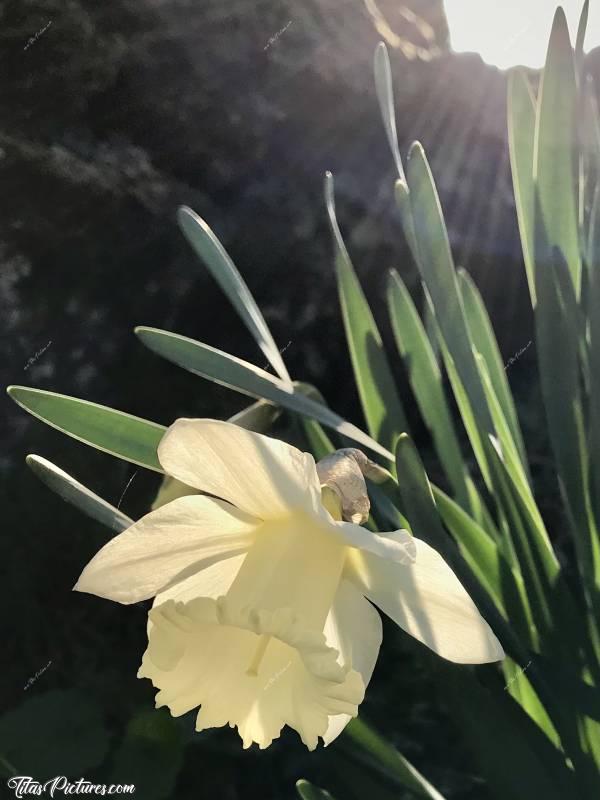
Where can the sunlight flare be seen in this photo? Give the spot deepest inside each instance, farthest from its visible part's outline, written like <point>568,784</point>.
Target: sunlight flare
<point>513,32</point>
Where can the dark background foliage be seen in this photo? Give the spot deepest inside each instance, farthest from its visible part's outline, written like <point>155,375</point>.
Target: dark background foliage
<point>112,115</point>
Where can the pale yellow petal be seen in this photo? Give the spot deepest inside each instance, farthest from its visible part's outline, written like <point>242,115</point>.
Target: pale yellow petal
<point>354,629</point>
<point>293,563</point>
<point>396,546</point>
<point>428,601</point>
<point>173,542</point>
<point>263,476</point>
<point>213,581</point>
<point>202,652</point>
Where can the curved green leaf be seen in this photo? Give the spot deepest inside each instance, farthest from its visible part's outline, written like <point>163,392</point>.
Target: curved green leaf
<point>232,372</point>
<point>385,96</point>
<point>484,337</point>
<point>426,382</point>
<point>581,32</point>
<point>383,410</point>
<point>390,759</point>
<point>77,494</point>
<point>150,755</point>
<point>308,791</point>
<point>213,254</point>
<point>521,137</point>
<point>482,554</point>
<point>556,148</point>
<point>436,266</point>
<point>70,736</point>
<point>115,432</point>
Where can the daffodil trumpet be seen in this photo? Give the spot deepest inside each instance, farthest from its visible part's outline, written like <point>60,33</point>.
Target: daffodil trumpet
<point>264,591</point>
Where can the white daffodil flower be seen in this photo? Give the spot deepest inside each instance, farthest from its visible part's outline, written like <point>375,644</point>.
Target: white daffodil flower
<point>261,614</point>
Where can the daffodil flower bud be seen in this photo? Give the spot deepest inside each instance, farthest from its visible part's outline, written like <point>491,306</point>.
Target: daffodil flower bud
<point>344,472</point>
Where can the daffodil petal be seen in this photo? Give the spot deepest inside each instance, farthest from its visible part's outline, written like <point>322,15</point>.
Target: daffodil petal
<point>174,541</point>
<point>213,581</point>
<point>428,601</point>
<point>262,476</point>
<point>204,653</point>
<point>398,546</point>
<point>354,629</point>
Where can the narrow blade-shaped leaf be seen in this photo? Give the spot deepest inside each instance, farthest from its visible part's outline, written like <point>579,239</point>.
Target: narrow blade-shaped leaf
<point>521,137</point>
<point>501,580</point>
<point>556,158</point>
<point>115,432</point>
<point>308,791</point>
<point>426,382</point>
<point>424,519</point>
<point>581,32</point>
<point>385,96</point>
<point>390,759</point>
<point>594,323</point>
<point>227,370</point>
<point>437,269</point>
<point>517,767</point>
<point>483,335</point>
<point>381,405</point>
<point>77,494</point>
<point>258,417</point>
<point>213,254</point>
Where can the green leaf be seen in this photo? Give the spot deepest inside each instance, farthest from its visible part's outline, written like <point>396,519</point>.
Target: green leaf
<point>558,344</point>
<point>379,398</point>
<point>580,41</point>
<point>426,382</point>
<point>594,323</point>
<point>424,519</point>
<point>518,767</point>
<point>369,741</point>
<point>77,494</point>
<point>521,138</point>
<point>553,610</point>
<point>519,687</point>
<point>591,125</point>
<point>227,370</point>
<point>484,337</point>
<point>402,196</point>
<point>385,96</point>
<point>503,583</point>
<point>150,755</point>
<point>113,432</point>
<point>318,441</point>
<point>308,791</point>
<point>464,406</point>
<point>60,732</point>
<point>222,268</point>
<point>556,148</point>
<point>507,445</point>
<point>258,417</point>
<point>581,696</point>
<point>439,276</point>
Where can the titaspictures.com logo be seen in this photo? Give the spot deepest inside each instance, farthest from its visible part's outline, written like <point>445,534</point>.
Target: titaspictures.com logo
<point>26,786</point>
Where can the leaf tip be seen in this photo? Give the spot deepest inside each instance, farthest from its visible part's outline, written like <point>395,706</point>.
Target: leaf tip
<point>559,35</point>
<point>416,149</point>
<point>14,391</point>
